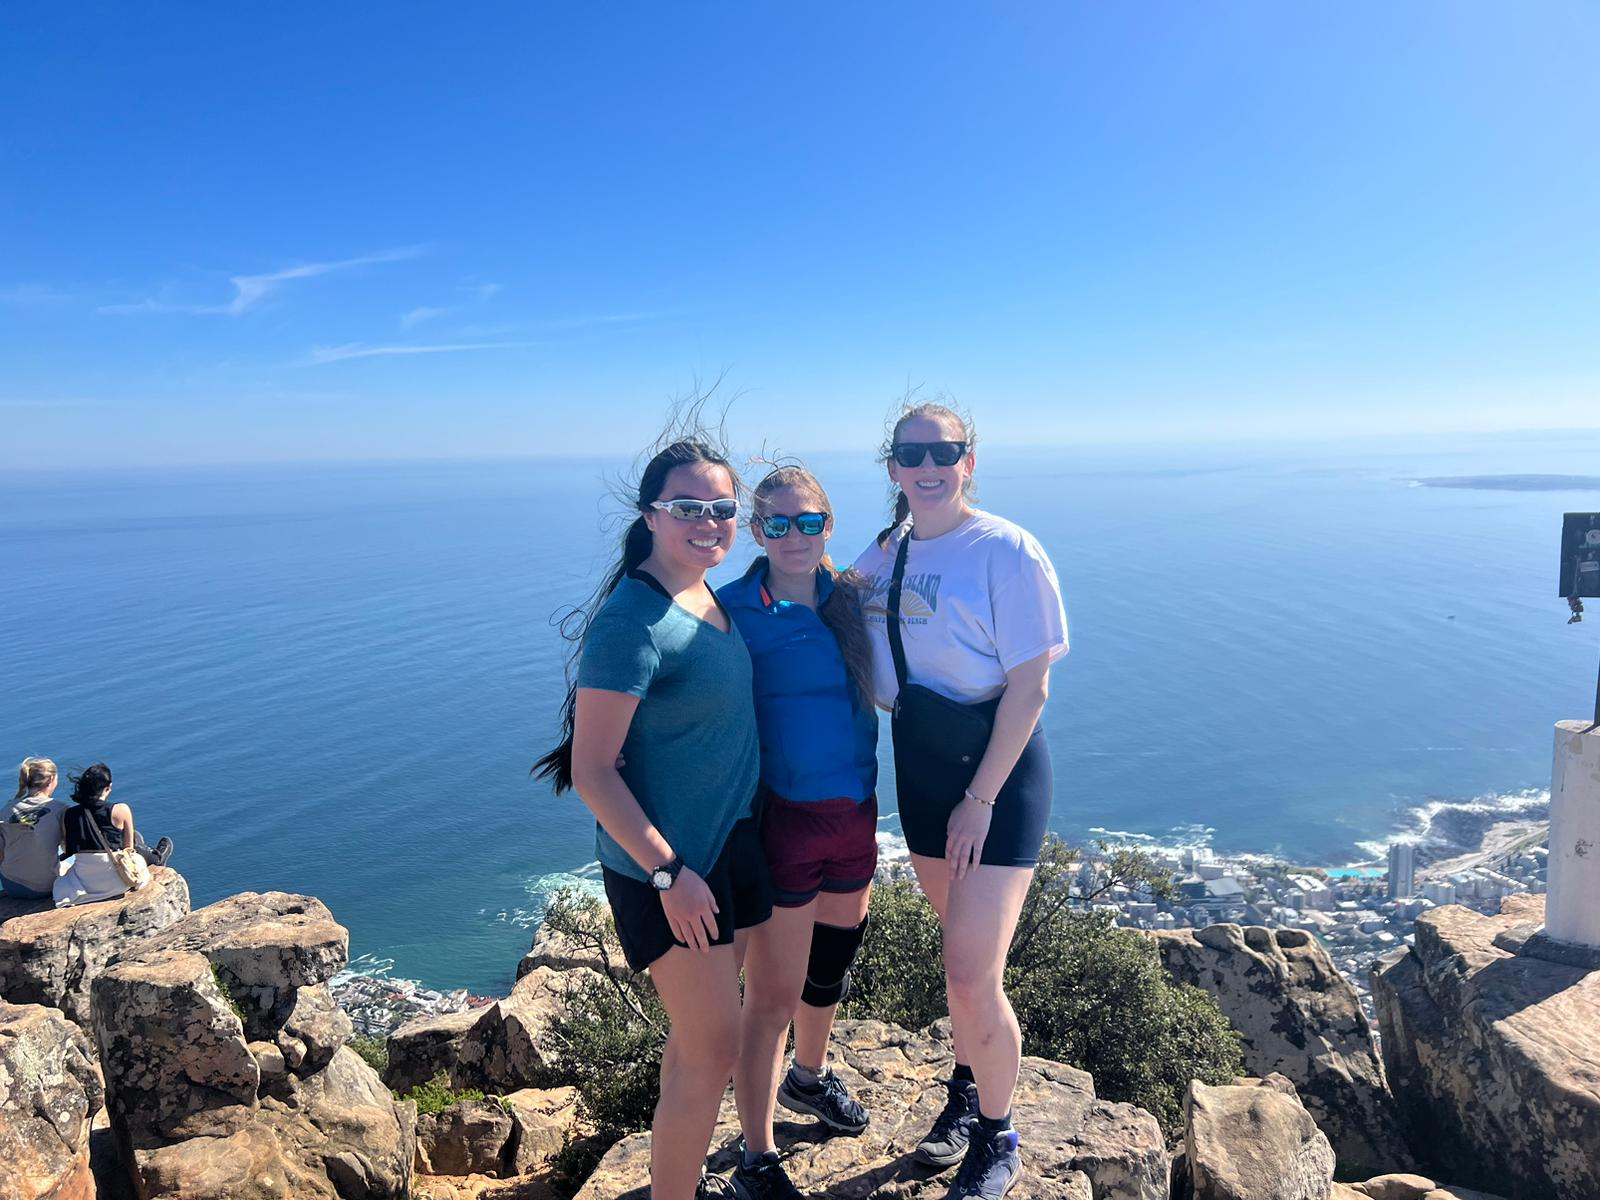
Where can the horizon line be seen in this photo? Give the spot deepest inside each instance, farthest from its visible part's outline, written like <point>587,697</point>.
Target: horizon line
<point>1256,441</point>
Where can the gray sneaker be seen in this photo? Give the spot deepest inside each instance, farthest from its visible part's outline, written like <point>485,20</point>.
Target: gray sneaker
<point>992,1165</point>
<point>828,1100</point>
<point>946,1142</point>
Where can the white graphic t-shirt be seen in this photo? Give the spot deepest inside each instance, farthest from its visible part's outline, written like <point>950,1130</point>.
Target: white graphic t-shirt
<point>975,603</point>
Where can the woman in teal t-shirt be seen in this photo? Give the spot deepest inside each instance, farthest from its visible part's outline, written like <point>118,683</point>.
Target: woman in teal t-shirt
<point>663,684</point>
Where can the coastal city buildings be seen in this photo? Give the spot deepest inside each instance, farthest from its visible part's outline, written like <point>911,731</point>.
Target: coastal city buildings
<point>1358,913</point>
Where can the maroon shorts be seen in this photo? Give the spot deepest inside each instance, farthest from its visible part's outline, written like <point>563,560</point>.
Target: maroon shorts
<point>818,846</point>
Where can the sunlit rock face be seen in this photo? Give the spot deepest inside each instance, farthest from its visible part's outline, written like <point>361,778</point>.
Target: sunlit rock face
<point>1494,1053</point>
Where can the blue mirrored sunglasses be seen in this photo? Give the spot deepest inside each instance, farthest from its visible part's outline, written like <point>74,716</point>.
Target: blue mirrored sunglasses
<point>810,524</point>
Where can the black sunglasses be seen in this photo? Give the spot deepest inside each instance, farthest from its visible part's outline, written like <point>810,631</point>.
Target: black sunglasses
<point>808,523</point>
<point>945,454</point>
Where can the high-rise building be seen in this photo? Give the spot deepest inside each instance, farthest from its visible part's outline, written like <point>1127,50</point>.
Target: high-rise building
<point>1402,870</point>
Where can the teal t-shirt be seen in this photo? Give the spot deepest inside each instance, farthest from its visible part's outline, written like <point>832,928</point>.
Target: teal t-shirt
<point>692,757</point>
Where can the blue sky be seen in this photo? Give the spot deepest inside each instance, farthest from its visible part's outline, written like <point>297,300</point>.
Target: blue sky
<point>237,233</point>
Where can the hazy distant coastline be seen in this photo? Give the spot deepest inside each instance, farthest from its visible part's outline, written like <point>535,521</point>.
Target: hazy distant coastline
<point>1514,483</point>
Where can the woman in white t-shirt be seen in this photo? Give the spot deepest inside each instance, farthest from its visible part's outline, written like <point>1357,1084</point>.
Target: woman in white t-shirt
<point>980,622</point>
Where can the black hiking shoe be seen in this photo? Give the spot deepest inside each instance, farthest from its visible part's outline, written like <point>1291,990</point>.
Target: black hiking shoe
<point>163,851</point>
<point>827,1100</point>
<point>992,1165</point>
<point>946,1142</point>
<point>765,1180</point>
<point>713,1187</point>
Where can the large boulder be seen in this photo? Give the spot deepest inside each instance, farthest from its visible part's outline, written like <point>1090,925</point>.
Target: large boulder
<point>1075,1146</point>
<point>52,955</point>
<point>426,1046</point>
<point>1253,1141</point>
<point>264,945</point>
<point>1494,1056</point>
<point>1299,1017</point>
<point>543,1120</point>
<point>500,1137</point>
<point>593,946</point>
<point>505,1049</point>
<point>51,1090</point>
<point>471,1137</point>
<point>227,1073</point>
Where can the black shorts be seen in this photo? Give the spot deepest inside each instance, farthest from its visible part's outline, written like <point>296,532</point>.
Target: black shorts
<point>738,880</point>
<point>928,789</point>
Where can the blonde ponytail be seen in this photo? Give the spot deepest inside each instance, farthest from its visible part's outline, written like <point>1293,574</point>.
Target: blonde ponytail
<point>35,775</point>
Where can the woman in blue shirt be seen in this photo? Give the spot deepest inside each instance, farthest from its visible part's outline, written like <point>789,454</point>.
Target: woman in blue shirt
<point>812,663</point>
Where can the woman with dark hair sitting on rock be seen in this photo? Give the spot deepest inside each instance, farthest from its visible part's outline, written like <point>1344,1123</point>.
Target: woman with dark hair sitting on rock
<point>91,830</point>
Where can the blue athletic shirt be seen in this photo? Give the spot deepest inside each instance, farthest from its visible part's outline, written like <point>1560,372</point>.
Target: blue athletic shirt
<point>817,743</point>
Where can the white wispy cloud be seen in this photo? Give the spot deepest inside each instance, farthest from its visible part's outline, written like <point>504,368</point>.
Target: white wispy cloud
<point>329,354</point>
<point>420,314</point>
<point>249,290</point>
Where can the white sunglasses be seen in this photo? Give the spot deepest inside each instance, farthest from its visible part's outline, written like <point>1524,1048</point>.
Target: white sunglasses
<point>695,510</point>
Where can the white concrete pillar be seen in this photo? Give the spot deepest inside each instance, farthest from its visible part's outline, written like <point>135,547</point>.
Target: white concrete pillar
<point>1572,909</point>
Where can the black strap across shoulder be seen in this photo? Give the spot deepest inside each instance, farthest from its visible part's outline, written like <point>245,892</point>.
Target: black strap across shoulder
<point>98,833</point>
<point>896,646</point>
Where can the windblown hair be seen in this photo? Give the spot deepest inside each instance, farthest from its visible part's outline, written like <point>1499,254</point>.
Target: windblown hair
<point>842,612</point>
<point>35,775</point>
<point>941,409</point>
<point>89,784</point>
<point>684,444</point>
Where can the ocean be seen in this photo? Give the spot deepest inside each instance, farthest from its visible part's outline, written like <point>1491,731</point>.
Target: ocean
<point>333,679</point>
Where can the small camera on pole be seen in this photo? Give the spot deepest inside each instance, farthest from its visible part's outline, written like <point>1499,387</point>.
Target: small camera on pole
<point>1580,570</point>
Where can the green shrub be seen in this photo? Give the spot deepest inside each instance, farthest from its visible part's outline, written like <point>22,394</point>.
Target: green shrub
<point>437,1095</point>
<point>607,1042</point>
<point>374,1051</point>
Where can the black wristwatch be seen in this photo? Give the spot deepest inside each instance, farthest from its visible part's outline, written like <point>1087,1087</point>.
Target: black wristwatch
<point>664,876</point>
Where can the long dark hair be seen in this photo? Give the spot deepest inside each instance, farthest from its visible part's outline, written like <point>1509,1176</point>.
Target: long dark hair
<point>89,784</point>
<point>942,409</point>
<point>682,450</point>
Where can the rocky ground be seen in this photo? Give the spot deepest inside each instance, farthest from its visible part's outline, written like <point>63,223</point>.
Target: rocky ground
<point>1076,1144</point>
<point>149,1051</point>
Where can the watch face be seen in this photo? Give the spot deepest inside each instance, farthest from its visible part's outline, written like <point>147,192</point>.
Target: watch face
<point>662,880</point>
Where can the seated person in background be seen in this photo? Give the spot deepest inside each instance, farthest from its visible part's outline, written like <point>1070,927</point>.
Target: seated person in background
<point>30,833</point>
<point>88,829</point>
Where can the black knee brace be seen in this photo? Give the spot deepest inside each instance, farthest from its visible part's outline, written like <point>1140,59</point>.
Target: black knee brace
<point>833,949</point>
